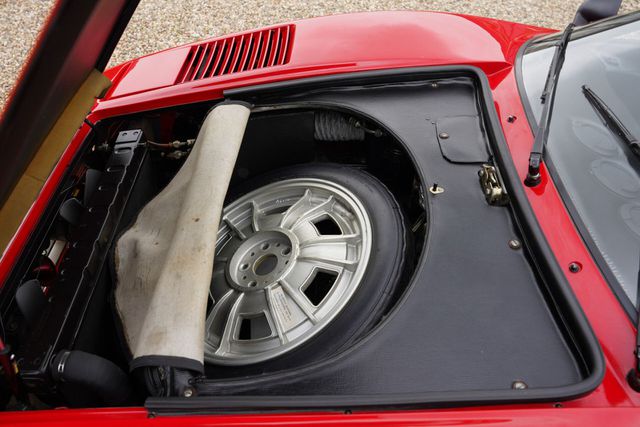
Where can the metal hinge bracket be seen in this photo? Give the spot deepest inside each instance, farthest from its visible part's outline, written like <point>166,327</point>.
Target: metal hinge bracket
<point>492,188</point>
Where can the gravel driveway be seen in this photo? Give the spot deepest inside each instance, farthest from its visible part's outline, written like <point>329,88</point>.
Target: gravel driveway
<point>159,24</point>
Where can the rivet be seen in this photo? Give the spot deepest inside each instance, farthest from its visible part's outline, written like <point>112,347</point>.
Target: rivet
<point>575,267</point>
<point>443,135</point>
<point>519,385</point>
<point>515,244</point>
<point>434,85</point>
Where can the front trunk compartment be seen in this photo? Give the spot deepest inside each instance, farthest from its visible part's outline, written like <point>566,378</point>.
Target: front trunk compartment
<point>485,317</point>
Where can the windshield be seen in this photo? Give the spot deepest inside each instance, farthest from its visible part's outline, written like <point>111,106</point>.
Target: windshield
<point>601,179</point>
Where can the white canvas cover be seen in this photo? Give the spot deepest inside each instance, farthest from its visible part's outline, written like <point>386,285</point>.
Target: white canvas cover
<point>164,261</point>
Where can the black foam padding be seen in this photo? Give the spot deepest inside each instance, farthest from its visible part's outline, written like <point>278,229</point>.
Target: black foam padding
<point>71,211</point>
<point>91,183</point>
<point>31,300</point>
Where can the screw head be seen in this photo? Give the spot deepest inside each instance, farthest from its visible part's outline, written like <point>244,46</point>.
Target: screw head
<point>519,385</point>
<point>443,135</point>
<point>515,244</point>
<point>188,392</point>
<point>575,267</point>
<point>511,119</point>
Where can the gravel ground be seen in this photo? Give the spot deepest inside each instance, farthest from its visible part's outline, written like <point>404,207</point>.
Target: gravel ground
<point>159,24</point>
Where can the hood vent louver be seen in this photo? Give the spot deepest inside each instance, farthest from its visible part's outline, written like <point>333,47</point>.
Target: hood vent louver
<point>244,52</point>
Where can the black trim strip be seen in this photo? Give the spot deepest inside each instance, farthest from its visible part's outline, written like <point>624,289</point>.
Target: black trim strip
<point>531,119</point>
<point>173,361</point>
<point>574,319</point>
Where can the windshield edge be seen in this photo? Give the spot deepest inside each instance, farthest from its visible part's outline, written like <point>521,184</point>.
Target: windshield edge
<point>581,228</point>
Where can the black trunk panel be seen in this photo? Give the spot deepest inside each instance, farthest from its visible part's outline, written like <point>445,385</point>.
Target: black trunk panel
<point>477,316</point>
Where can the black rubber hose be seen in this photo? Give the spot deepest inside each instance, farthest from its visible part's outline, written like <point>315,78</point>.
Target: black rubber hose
<point>88,374</point>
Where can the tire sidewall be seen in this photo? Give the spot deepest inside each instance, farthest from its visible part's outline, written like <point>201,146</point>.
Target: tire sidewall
<point>384,273</point>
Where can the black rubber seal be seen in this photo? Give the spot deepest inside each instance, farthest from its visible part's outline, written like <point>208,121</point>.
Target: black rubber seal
<point>234,102</point>
<point>571,313</point>
<point>173,361</point>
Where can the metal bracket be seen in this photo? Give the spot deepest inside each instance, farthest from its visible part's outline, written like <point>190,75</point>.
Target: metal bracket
<point>491,186</point>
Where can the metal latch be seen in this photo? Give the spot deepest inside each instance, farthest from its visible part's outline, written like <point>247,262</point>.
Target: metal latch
<point>493,190</point>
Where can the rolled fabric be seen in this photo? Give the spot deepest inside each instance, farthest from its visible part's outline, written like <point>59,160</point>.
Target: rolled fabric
<point>165,260</point>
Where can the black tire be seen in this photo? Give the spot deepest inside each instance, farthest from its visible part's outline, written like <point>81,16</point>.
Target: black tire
<point>386,270</point>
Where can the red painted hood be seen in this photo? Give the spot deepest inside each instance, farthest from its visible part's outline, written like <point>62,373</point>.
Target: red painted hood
<point>79,36</point>
<point>329,45</point>
<point>359,42</point>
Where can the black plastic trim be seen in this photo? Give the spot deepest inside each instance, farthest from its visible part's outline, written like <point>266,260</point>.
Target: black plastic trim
<point>545,261</point>
<point>597,257</point>
<point>173,361</point>
<point>234,102</point>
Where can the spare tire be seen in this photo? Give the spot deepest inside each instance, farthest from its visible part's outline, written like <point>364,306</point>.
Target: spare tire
<point>307,261</point>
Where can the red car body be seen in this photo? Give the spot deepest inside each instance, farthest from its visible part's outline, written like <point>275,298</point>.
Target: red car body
<point>363,42</point>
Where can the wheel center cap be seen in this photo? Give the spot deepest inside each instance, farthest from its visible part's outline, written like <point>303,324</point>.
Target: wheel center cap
<point>265,264</point>
<point>260,260</point>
